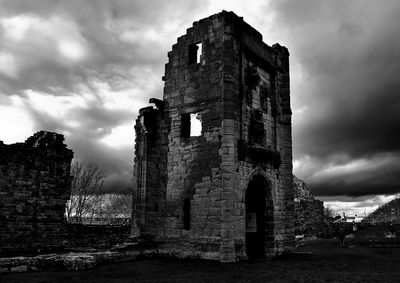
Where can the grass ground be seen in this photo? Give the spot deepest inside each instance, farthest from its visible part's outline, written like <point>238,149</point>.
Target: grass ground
<point>366,259</point>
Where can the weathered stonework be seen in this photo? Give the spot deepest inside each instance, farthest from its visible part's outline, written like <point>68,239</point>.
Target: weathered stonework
<point>35,184</point>
<point>390,211</point>
<point>309,211</point>
<point>228,193</point>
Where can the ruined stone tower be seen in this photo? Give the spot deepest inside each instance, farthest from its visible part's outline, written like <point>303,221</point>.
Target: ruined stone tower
<point>226,191</point>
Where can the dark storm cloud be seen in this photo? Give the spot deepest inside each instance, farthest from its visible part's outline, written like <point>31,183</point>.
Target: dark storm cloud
<point>97,117</point>
<point>85,142</point>
<point>120,49</point>
<point>102,27</point>
<point>345,61</point>
<point>348,98</point>
<point>377,176</point>
<point>117,164</point>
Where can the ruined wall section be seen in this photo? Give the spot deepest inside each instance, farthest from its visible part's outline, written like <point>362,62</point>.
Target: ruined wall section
<point>150,170</point>
<point>35,184</point>
<point>309,211</point>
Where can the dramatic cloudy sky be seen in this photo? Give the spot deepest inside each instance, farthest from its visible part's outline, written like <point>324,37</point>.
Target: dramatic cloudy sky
<point>84,68</point>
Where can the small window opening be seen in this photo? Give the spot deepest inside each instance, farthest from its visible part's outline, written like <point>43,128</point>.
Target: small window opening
<point>191,125</point>
<point>195,51</point>
<point>195,125</point>
<point>252,78</point>
<point>186,214</point>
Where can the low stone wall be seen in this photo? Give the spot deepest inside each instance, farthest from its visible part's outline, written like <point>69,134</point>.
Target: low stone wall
<point>96,236</point>
<point>76,237</point>
<point>70,261</point>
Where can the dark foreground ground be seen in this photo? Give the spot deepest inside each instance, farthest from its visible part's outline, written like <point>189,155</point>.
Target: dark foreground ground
<point>364,260</point>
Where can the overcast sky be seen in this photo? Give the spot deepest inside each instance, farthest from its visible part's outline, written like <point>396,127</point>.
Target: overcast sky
<point>84,68</point>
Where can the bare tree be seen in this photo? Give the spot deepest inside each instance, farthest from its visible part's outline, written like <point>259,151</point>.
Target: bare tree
<point>329,212</point>
<point>87,181</point>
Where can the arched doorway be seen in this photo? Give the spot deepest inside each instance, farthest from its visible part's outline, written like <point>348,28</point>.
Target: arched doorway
<point>258,217</point>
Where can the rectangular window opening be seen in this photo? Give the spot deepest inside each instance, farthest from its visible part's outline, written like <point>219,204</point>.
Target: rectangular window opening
<point>195,51</point>
<point>191,125</point>
<point>186,214</point>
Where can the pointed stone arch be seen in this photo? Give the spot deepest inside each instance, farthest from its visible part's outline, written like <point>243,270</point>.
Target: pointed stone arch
<point>259,215</point>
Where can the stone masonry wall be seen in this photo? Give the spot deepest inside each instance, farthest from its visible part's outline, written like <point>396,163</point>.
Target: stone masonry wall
<point>388,212</point>
<point>84,237</point>
<point>309,212</point>
<point>150,176</point>
<point>34,188</point>
<point>194,173</point>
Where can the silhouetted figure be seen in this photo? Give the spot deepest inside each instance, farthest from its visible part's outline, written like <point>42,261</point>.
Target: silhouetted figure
<point>341,235</point>
<point>354,229</point>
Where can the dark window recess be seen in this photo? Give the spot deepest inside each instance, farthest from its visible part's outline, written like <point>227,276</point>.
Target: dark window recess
<point>272,98</point>
<point>264,99</point>
<point>249,97</point>
<point>185,125</point>
<point>252,78</point>
<point>150,123</point>
<point>186,214</point>
<point>256,131</point>
<point>194,53</point>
